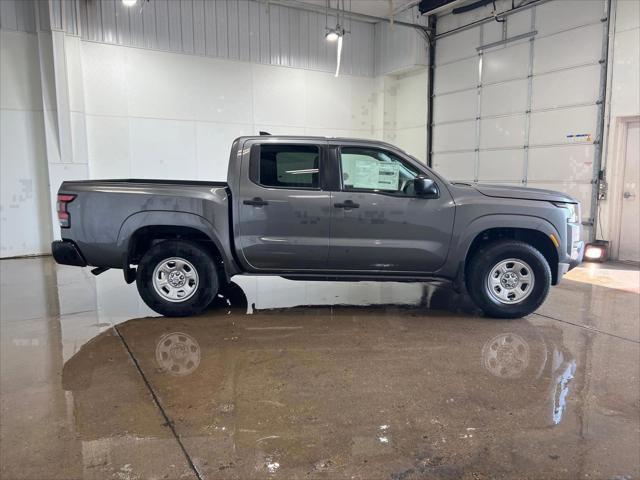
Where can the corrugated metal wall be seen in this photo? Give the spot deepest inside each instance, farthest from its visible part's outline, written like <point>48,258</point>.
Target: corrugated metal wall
<point>235,29</point>
<point>243,30</point>
<point>64,15</point>
<point>19,16</point>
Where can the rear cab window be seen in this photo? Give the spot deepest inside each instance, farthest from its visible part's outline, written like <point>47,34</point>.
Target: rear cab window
<point>285,166</point>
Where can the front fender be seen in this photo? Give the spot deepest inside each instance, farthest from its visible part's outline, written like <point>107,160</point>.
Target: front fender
<point>474,228</point>
<point>169,218</point>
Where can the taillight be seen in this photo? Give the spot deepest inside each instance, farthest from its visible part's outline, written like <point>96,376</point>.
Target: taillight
<point>63,214</point>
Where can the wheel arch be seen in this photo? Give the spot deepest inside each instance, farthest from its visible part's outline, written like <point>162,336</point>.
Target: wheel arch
<point>142,230</point>
<point>534,231</point>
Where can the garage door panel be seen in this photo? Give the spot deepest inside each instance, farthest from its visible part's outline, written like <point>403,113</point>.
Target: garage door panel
<point>570,162</point>
<point>455,106</point>
<point>556,126</point>
<point>491,32</point>
<point>567,87</point>
<point>455,166</point>
<point>456,76</point>
<point>459,46</point>
<point>502,132</point>
<point>505,63</point>
<point>553,17</point>
<point>575,47</point>
<point>519,23</point>
<point>548,101</point>
<point>501,166</point>
<point>503,98</point>
<point>454,136</point>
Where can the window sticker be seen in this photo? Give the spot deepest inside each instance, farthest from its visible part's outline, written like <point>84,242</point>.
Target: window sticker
<point>376,175</point>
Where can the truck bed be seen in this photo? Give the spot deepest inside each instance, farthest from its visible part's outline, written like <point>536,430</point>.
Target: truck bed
<point>105,214</point>
<point>152,181</point>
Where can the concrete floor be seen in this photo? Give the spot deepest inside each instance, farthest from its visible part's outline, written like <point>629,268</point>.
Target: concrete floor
<point>316,380</point>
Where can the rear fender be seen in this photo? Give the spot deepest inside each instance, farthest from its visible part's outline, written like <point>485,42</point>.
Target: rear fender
<point>169,219</point>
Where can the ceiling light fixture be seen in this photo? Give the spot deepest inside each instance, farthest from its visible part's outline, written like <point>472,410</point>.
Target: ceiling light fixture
<point>332,35</point>
<point>337,33</point>
<point>129,3</point>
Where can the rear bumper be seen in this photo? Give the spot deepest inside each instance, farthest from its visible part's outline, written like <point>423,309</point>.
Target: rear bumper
<point>66,252</point>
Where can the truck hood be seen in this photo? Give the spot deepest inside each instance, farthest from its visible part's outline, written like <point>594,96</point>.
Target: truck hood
<point>503,191</point>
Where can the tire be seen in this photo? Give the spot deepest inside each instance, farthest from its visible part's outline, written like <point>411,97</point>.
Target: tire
<point>497,296</point>
<point>186,278</point>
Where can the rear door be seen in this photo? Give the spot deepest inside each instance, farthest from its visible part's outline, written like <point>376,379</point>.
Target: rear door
<point>284,215</point>
<point>379,223</point>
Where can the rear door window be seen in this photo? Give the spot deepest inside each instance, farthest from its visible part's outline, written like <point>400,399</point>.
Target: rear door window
<point>288,166</point>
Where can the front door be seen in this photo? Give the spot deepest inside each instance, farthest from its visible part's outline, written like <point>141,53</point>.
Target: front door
<point>378,223</point>
<point>629,226</point>
<point>284,216</point>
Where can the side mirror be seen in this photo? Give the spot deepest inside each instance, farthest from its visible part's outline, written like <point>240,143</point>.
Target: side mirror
<point>425,187</point>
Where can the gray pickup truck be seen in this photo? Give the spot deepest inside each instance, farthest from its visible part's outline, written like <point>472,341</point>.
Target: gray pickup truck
<point>309,208</point>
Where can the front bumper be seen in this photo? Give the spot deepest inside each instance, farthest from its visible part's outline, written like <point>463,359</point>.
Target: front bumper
<point>577,252</point>
<point>573,260</point>
<point>66,252</point>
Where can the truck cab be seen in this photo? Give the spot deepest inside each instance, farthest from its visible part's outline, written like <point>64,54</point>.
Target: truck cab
<point>341,207</point>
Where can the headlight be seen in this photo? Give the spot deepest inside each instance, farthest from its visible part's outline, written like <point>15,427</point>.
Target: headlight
<point>573,211</point>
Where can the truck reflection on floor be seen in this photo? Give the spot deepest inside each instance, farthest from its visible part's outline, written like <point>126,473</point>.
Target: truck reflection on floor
<point>353,389</point>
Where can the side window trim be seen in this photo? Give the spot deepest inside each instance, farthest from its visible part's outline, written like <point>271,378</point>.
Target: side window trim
<point>330,180</point>
<point>254,166</point>
<point>369,190</point>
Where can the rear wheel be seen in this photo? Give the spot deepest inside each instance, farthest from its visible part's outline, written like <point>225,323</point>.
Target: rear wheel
<point>177,278</point>
<point>508,279</point>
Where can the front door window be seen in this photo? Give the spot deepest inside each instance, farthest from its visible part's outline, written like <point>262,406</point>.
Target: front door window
<point>366,169</point>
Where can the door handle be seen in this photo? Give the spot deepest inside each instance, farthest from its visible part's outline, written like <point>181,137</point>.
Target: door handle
<point>256,202</point>
<point>628,195</point>
<point>347,204</point>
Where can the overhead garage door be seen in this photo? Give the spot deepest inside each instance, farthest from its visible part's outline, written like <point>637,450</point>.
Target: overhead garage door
<point>520,102</point>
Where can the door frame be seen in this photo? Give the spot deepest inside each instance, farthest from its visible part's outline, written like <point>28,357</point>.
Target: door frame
<point>616,170</point>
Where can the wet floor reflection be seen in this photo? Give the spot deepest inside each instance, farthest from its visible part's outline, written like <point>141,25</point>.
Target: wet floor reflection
<point>360,392</point>
<point>284,379</point>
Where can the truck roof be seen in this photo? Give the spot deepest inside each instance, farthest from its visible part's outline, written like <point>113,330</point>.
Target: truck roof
<point>312,138</point>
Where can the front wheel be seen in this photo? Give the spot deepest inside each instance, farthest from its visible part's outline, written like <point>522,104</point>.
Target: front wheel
<point>508,279</point>
<point>177,278</point>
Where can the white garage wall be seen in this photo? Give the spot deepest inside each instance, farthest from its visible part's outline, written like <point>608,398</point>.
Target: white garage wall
<point>623,103</point>
<point>25,227</point>
<point>152,114</point>
<point>119,104</point>
<point>161,115</point>
<point>405,111</point>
